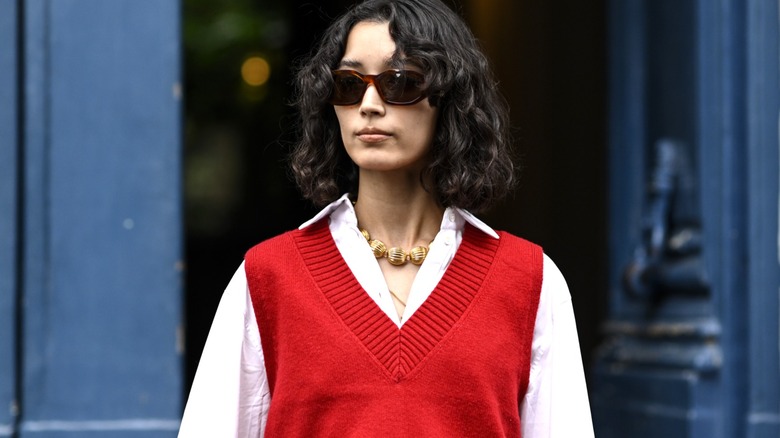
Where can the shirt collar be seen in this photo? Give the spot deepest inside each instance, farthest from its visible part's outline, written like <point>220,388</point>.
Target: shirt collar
<point>457,216</point>
<point>474,221</point>
<point>330,208</point>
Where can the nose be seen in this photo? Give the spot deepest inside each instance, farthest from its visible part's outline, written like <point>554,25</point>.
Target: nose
<point>372,104</point>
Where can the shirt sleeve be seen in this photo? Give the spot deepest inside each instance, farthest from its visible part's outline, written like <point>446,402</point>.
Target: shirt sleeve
<point>556,403</point>
<point>230,395</point>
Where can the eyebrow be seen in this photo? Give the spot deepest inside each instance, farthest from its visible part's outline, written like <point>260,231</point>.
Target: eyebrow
<point>354,63</point>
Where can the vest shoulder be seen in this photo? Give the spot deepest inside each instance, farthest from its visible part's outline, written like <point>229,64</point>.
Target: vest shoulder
<point>278,248</point>
<point>270,244</point>
<point>516,241</point>
<point>272,249</point>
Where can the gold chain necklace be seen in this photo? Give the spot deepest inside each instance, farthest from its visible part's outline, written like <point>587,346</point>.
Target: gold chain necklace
<point>403,303</point>
<point>395,255</point>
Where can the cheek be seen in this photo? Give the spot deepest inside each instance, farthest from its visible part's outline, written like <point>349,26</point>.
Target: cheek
<point>339,116</point>
<point>426,124</point>
<point>343,121</point>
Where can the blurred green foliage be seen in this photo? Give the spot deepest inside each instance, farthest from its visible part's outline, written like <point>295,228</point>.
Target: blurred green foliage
<point>236,135</point>
<point>218,36</point>
<point>230,126</point>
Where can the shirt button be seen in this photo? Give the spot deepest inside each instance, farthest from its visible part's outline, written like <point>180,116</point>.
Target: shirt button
<point>448,240</point>
<point>451,217</point>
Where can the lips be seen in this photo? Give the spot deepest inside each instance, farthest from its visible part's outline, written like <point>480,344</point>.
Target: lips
<point>372,135</point>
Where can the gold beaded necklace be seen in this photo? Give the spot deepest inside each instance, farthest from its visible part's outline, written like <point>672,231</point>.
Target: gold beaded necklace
<point>395,255</point>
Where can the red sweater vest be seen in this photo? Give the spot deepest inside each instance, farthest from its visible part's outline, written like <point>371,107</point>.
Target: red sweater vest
<point>337,366</point>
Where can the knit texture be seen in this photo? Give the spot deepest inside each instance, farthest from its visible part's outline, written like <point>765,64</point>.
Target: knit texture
<point>338,366</point>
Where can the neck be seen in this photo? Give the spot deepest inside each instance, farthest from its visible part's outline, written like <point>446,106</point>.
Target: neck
<point>396,209</point>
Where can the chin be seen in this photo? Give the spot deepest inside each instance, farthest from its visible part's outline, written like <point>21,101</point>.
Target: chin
<point>372,160</point>
<point>385,161</point>
<point>378,167</point>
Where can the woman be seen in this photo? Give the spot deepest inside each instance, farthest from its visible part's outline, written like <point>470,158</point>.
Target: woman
<point>394,311</point>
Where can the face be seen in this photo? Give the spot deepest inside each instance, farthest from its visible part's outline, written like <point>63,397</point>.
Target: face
<point>379,136</point>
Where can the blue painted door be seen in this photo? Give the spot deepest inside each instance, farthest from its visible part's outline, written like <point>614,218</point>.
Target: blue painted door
<point>691,345</point>
<point>90,218</point>
<point>8,213</point>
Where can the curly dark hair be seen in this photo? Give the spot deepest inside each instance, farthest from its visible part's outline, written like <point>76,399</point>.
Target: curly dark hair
<point>471,165</point>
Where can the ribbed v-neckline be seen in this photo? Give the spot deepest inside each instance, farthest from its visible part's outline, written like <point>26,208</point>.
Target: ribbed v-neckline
<point>398,351</point>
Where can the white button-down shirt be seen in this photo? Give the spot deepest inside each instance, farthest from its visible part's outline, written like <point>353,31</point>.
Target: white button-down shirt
<point>230,395</point>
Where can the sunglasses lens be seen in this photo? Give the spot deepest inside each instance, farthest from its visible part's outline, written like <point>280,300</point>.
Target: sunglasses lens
<point>348,89</point>
<point>397,87</point>
<point>401,87</point>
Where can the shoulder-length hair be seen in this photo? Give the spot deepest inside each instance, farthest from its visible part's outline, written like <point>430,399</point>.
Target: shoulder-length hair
<point>471,165</point>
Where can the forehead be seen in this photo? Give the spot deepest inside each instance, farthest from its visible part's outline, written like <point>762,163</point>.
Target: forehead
<point>369,46</point>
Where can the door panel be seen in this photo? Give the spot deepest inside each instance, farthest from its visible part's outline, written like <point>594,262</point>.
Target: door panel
<point>695,98</point>
<point>101,265</point>
<point>8,213</point>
